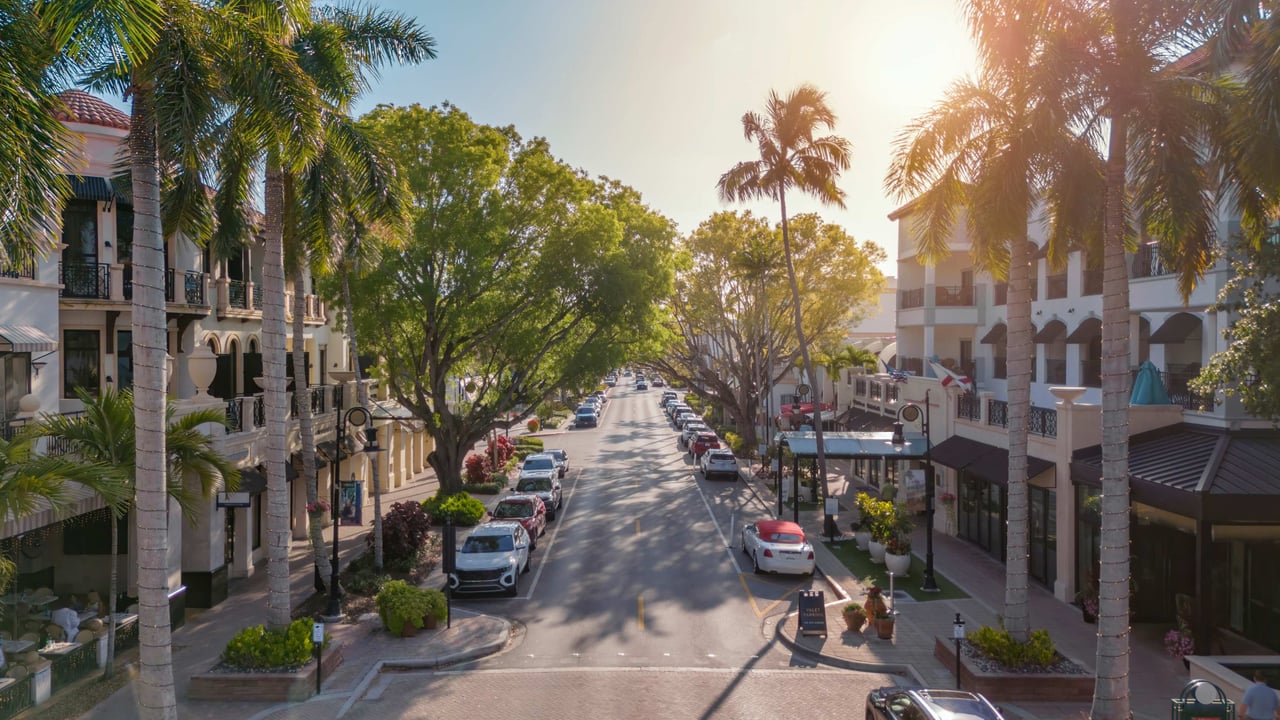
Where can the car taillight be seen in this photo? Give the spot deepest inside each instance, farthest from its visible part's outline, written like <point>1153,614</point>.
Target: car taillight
<point>768,552</point>
<point>810,554</point>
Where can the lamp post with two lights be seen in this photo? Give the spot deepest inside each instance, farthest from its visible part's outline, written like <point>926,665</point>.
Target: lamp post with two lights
<point>911,412</point>
<point>356,417</point>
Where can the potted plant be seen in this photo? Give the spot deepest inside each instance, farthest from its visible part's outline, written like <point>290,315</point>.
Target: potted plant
<point>874,604</point>
<point>897,554</point>
<point>438,610</point>
<point>402,607</point>
<point>862,526</point>
<point>855,618</point>
<point>881,514</point>
<point>1180,643</point>
<point>1087,599</point>
<point>884,626</point>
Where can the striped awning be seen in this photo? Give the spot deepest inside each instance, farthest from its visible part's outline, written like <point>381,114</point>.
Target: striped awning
<point>25,339</point>
<point>78,500</point>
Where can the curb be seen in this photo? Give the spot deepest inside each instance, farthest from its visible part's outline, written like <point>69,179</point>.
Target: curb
<point>856,665</point>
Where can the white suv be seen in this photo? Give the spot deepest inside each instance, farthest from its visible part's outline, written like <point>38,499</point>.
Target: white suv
<point>492,558</point>
<point>719,463</point>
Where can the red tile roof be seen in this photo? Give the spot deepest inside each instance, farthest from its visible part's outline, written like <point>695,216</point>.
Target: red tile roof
<point>84,108</point>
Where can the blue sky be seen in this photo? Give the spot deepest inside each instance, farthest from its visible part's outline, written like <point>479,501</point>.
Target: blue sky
<point>651,93</point>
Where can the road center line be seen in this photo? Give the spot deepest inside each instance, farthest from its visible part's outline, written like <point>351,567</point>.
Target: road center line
<point>640,612</point>
<point>728,550</point>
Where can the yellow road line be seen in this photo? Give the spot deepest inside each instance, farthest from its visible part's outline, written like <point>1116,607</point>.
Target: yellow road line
<point>637,526</point>
<point>742,577</point>
<point>640,612</point>
<point>750,598</point>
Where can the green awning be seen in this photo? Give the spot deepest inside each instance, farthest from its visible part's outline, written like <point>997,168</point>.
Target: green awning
<point>849,445</point>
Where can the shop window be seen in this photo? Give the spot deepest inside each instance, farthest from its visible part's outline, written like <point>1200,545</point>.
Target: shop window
<point>81,362</point>
<point>124,359</point>
<point>15,381</point>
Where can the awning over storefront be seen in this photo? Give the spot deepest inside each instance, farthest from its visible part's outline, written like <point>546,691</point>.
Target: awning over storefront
<point>857,420</point>
<point>994,466</point>
<point>253,481</point>
<point>1088,330</point>
<point>1176,329</point>
<point>25,339</point>
<point>88,187</point>
<point>1201,473</point>
<point>78,500</point>
<point>849,445</point>
<point>1052,332</point>
<point>958,452</point>
<point>996,335</point>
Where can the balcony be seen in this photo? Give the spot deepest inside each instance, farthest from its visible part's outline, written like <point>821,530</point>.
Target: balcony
<point>1147,263</point>
<point>998,413</point>
<point>953,296</point>
<point>19,270</point>
<point>1177,385</point>
<point>915,366</point>
<point>1055,286</point>
<point>85,280</point>
<point>192,287</point>
<point>247,412</point>
<point>908,299</point>
<point>968,407</point>
<point>238,294</point>
<point>1043,422</point>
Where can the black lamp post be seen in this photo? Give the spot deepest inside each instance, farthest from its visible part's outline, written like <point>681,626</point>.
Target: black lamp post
<point>911,412</point>
<point>357,416</point>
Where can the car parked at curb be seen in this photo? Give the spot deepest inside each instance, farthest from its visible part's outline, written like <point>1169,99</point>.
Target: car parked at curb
<point>547,489</point>
<point>540,465</point>
<point>898,703</point>
<point>561,457</point>
<point>659,382</point>
<point>492,557</point>
<point>685,416</point>
<point>691,429</point>
<point>702,442</point>
<point>777,546</point>
<point>586,416</point>
<point>526,509</point>
<point>719,463</point>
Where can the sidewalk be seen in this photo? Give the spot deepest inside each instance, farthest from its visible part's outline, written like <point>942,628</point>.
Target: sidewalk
<point>1154,677</point>
<point>367,649</point>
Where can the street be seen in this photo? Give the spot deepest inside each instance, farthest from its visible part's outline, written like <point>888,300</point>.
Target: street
<point>637,603</point>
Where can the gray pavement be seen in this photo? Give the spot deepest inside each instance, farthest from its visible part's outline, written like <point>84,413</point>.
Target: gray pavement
<point>1154,678</point>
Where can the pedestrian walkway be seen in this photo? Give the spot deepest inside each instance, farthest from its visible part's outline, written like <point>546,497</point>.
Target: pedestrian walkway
<point>366,647</point>
<point>1154,678</point>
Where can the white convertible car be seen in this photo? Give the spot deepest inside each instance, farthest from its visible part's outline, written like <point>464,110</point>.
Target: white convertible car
<point>777,546</point>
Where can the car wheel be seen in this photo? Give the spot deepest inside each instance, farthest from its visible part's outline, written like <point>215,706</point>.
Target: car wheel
<point>755,564</point>
<point>551,517</point>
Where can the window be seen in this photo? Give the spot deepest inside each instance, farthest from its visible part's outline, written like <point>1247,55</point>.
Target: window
<point>81,362</point>
<point>124,234</point>
<point>15,381</point>
<point>80,232</point>
<point>124,359</point>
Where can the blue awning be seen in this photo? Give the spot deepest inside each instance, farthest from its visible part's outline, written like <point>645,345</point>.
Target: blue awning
<point>848,445</point>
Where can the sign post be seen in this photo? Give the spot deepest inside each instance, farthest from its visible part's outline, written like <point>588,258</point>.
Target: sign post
<point>813,613</point>
<point>317,640</point>
<point>957,634</point>
<point>449,552</point>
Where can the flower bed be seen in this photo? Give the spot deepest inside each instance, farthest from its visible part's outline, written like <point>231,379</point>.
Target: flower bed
<point>263,686</point>
<point>1061,681</point>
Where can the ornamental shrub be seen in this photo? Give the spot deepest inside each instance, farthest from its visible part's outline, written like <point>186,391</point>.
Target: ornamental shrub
<point>257,648</point>
<point>477,469</point>
<point>461,508</point>
<point>533,425</point>
<point>400,603</point>
<point>537,444</point>
<point>999,645</point>
<point>405,529</point>
<point>736,443</point>
<point>500,452</point>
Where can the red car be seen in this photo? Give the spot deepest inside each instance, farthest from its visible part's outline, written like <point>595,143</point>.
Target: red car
<point>701,443</point>
<point>528,510</point>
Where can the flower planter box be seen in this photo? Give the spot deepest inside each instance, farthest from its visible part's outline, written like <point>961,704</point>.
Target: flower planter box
<point>1014,686</point>
<point>264,687</point>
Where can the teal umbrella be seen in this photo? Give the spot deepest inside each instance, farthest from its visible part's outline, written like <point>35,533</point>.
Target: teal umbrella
<point>1148,387</point>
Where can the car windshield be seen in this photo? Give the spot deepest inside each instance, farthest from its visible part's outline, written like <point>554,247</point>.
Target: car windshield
<point>960,708</point>
<point>558,454</point>
<point>544,463</point>
<point>488,544</point>
<point>513,510</point>
<point>584,410</point>
<point>721,456</point>
<point>534,485</point>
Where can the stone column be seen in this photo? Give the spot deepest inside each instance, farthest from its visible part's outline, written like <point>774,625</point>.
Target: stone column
<point>1064,587</point>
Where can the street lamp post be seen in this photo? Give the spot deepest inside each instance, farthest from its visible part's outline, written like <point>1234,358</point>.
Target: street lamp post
<point>911,412</point>
<point>357,416</point>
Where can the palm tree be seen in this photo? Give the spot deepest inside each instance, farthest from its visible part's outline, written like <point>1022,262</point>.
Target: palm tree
<point>985,152</point>
<point>103,440</point>
<point>339,50</point>
<point>792,156</point>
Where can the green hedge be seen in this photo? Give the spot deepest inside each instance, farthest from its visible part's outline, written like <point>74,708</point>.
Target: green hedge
<point>257,648</point>
<point>462,508</point>
<point>999,645</point>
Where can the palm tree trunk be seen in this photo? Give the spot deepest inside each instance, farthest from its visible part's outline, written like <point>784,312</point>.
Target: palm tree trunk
<point>156,696</point>
<point>804,349</point>
<point>363,397</point>
<point>306,431</point>
<point>1111,688</point>
<point>1017,616</point>
<point>273,372</point>
<point>113,587</point>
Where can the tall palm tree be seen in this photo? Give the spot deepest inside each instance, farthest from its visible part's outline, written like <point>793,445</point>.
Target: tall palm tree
<point>340,50</point>
<point>792,155</point>
<point>103,439</point>
<point>986,152</point>
<point>1154,119</point>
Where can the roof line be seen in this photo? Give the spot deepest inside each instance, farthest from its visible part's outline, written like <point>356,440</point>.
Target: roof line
<point>1205,483</point>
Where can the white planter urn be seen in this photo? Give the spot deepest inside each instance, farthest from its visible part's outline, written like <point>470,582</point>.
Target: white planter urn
<point>862,538</point>
<point>877,552</point>
<point>202,366</point>
<point>899,565</point>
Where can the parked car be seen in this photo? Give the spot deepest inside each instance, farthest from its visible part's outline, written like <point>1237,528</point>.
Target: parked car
<point>541,465</point>
<point>659,382</point>
<point>719,463</point>
<point>586,417</point>
<point>561,457</point>
<point>685,416</point>
<point>690,429</point>
<point>492,558</point>
<point>777,546</point>
<point>526,509</point>
<point>547,489</point>
<point>611,381</point>
<point>701,443</point>
<point>602,395</point>
<point>642,385</point>
<point>676,406</point>
<point>668,396</point>
<point>897,703</point>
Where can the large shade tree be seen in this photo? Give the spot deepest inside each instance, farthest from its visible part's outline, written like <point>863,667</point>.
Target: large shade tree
<point>793,156</point>
<point>732,313</point>
<point>520,272</point>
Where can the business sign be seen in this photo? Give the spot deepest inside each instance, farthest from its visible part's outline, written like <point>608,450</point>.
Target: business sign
<point>813,613</point>
<point>234,500</point>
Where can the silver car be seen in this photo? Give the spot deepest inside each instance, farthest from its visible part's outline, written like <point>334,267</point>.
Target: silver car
<point>547,488</point>
<point>492,557</point>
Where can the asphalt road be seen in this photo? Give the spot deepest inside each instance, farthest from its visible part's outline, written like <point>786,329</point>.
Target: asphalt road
<point>639,602</point>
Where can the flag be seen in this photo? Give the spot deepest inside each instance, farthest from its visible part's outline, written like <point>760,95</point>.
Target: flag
<point>899,376</point>
<point>948,378</point>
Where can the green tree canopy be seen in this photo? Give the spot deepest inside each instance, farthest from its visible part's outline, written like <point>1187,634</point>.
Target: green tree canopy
<point>732,305</point>
<point>519,272</point>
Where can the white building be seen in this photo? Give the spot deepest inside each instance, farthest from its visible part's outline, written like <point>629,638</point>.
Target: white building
<point>65,324</point>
